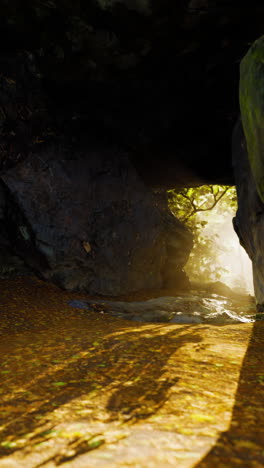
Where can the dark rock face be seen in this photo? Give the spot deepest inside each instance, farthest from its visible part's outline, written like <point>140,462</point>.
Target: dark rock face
<point>10,264</point>
<point>157,77</point>
<point>76,212</point>
<point>85,221</point>
<point>249,220</point>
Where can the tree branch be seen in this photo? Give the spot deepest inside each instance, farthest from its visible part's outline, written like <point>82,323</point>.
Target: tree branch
<point>196,209</point>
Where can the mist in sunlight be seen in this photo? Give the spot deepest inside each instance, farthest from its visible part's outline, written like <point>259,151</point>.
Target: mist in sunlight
<point>232,260</point>
<point>217,254</point>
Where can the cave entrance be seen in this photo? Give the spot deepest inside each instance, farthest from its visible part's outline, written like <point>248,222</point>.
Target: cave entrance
<point>217,255</point>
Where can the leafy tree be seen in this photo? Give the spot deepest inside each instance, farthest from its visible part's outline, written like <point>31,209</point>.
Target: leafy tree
<point>203,210</point>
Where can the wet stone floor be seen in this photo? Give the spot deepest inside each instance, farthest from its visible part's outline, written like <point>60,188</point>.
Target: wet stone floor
<point>82,388</point>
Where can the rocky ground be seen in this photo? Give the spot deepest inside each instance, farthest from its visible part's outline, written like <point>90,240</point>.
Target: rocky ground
<point>82,388</point>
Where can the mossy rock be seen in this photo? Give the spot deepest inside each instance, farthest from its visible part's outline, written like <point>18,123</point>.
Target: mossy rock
<point>251,96</point>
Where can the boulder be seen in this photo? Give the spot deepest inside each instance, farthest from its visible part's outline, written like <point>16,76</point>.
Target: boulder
<point>84,220</point>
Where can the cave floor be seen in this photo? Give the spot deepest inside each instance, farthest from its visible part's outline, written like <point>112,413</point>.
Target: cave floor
<point>84,389</point>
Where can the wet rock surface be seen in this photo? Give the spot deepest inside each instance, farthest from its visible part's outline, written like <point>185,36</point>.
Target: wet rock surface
<point>184,308</point>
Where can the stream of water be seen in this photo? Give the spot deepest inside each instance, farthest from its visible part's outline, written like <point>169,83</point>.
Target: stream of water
<point>185,308</point>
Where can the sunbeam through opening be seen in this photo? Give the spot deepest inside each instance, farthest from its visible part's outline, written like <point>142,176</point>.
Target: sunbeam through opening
<point>217,255</point>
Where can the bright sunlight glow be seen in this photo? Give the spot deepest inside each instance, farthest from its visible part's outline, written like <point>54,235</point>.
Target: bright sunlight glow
<point>232,260</point>
<point>217,255</point>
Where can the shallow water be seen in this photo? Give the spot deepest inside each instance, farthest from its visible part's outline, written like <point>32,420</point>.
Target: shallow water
<point>186,308</point>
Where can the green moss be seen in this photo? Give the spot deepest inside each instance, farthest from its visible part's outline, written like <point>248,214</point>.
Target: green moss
<point>251,94</point>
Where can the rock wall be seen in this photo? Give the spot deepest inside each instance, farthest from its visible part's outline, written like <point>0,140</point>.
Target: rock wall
<point>248,160</point>
<point>249,220</point>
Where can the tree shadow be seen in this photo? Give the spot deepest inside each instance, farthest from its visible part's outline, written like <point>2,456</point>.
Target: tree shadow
<point>243,444</point>
<point>127,366</point>
<point>146,389</point>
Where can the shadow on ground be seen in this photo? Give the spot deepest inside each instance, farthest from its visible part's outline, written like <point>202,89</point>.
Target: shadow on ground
<point>59,366</point>
<point>243,444</point>
<point>117,367</point>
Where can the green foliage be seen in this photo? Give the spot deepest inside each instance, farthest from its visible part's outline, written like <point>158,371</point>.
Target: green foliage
<point>188,202</point>
<point>203,210</point>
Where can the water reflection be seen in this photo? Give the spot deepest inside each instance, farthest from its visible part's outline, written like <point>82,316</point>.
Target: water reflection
<point>197,307</point>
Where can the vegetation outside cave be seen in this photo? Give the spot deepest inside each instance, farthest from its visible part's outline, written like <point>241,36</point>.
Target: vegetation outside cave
<point>207,211</point>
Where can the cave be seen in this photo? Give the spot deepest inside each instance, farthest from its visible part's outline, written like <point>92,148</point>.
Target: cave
<point>104,107</point>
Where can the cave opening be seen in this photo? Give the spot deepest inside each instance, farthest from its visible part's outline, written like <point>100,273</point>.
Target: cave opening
<point>217,255</point>
<point>103,104</point>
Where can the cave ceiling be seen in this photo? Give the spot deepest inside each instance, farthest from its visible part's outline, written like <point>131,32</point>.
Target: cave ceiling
<point>156,79</point>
